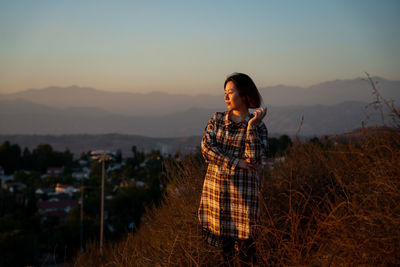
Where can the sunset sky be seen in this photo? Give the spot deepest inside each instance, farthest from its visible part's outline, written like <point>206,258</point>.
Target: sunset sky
<point>191,46</point>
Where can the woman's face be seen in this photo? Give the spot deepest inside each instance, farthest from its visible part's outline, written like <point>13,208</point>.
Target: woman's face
<point>232,98</point>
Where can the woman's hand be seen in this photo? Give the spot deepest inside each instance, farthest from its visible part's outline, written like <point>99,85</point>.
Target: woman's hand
<point>248,166</point>
<point>259,115</point>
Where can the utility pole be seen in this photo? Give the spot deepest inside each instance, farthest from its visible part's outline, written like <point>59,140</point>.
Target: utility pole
<point>102,156</point>
<point>102,208</point>
<point>81,224</point>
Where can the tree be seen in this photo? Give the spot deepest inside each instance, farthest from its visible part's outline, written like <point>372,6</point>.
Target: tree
<point>31,179</point>
<point>137,159</point>
<point>284,143</point>
<point>273,144</point>
<point>127,206</point>
<point>316,141</point>
<point>51,181</point>
<point>118,156</point>
<point>27,163</point>
<point>42,157</point>
<point>10,157</point>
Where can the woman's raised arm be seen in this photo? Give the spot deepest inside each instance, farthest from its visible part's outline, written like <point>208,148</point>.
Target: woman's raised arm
<point>256,144</point>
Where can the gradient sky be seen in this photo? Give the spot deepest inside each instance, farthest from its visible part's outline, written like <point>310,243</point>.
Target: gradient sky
<point>191,46</point>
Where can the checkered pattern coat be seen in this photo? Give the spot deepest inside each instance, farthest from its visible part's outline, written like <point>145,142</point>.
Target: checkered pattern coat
<point>229,201</point>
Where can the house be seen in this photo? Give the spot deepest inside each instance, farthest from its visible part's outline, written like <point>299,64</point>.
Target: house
<point>142,165</point>
<point>132,182</point>
<point>279,161</point>
<point>140,184</point>
<point>127,183</point>
<point>115,166</point>
<point>83,162</point>
<point>58,209</point>
<point>6,181</point>
<point>21,199</point>
<point>45,191</point>
<point>55,171</point>
<point>15,186</point>
<point>80,175</point>
<point>68,189</point>
<point>59,197</point>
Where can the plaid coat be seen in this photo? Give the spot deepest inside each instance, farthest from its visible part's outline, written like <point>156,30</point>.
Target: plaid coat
<point>229,200</point>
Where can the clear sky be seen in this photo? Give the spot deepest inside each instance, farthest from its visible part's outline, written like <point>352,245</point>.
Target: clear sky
<point>191,46</point>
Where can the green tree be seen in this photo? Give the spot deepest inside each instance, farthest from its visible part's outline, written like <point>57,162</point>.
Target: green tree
<point>42,157</point>
<point>118,156</point>
<point>51,181</point>
<point>31,179</point>
<point>316,141</point>
<point>96,168</point>
<point>27,163</point>
<point>284,143</point>
<point>137,158</point>
<point>10,157</point>
<point>127,206</point>
<point>273,145</point>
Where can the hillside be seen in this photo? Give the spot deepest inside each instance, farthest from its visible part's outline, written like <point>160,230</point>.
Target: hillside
<point>327,204</point>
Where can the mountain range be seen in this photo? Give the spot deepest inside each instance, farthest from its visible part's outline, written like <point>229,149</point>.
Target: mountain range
<point>326,108</point>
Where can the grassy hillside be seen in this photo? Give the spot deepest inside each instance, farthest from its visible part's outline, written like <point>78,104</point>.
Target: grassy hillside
<point>327,204</point>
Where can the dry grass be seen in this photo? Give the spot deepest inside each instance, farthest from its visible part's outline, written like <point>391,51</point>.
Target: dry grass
<point>325,206</point>
<point>336,206</point>
<point>169,235</point>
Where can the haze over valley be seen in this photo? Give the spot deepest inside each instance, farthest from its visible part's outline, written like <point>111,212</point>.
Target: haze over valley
<point>327,108</point>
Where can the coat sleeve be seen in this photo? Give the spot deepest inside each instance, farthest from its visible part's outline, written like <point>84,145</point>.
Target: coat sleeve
<point>256,143</point>
<point>211,150</point>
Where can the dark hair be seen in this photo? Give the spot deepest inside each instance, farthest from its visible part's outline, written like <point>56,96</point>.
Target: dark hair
<point>247,89</point>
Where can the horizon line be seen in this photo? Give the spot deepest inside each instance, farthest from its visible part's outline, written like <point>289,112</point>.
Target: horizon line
<point>190,93</point>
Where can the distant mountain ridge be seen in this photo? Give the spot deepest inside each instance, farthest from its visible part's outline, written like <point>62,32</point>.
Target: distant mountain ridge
<point>22,117</point>
<point>156,103</point>
<point>132,104</point>
<point>77,110</point>
<point>330,92</point>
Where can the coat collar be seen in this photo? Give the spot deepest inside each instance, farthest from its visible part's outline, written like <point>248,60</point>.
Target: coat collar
<point>232,123</point>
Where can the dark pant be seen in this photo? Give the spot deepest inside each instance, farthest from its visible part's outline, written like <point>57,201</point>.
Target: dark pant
<point>244,250</point>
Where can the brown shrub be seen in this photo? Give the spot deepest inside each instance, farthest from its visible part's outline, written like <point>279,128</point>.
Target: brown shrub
<point>334,206</point>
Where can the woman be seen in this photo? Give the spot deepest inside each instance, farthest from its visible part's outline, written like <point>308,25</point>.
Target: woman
<point>234,145</point>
